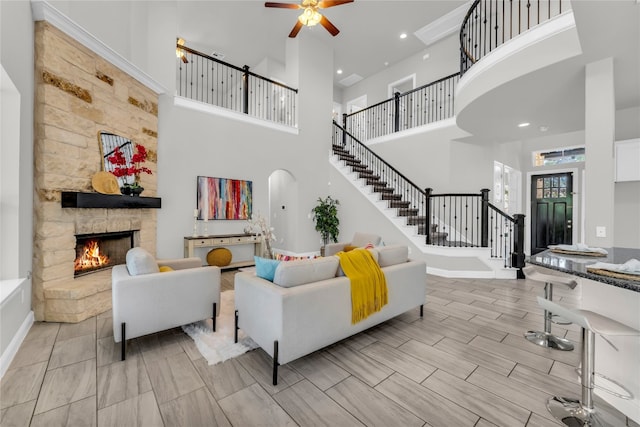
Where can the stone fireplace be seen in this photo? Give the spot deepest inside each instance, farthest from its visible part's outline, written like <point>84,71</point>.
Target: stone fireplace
<point>78,94</point>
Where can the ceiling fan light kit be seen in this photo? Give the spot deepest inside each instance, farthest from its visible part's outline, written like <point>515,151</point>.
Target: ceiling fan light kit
<point>310,15</point>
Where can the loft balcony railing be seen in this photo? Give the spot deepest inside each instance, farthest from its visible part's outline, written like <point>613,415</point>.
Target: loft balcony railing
<point>417,107</point>
<point>206,79</point>
<point>490,23</point>
<point>452,220</point>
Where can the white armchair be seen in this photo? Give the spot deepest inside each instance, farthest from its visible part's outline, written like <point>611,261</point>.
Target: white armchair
<point>359,240</point>
<point>145,301</point>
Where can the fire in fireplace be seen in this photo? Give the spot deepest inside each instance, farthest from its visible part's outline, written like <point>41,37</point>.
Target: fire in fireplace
<point>99,251</point>
<point>91,257</point>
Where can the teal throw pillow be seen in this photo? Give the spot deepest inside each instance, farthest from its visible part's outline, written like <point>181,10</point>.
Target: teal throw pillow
<point>266,268</point>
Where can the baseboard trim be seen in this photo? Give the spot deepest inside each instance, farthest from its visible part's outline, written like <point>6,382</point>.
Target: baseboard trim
<point>461,274</point>
<point>14,345</point>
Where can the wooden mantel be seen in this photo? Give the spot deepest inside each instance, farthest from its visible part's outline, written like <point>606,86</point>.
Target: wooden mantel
<point>73,199</point>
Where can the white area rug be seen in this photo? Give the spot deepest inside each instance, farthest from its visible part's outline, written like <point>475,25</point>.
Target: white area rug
<point>218,346</point>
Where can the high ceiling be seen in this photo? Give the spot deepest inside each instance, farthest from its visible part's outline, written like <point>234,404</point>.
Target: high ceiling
<point>246,31</point>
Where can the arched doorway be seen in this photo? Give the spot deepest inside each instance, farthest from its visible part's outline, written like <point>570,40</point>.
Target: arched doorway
<point>283,208</point>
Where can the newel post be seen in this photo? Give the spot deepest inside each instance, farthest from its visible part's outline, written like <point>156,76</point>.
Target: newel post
<point>396,111</point>
<point>484,218</point>
<point>344,129</point>
<point>427,213</point>
<point>245,88</point>
<point>517,257</point>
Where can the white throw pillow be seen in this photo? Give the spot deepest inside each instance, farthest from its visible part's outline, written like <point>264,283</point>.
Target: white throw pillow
<point>295,273</point>
<point>392,255</point>
<point>139,261</point>
<point>361,239</point>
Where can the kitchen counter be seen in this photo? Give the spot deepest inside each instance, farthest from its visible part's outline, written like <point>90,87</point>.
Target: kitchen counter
<point>617,299</point>
<point>577,265</point>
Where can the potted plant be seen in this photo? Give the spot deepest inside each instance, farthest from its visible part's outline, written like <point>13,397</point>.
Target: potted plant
<point>325,215</point>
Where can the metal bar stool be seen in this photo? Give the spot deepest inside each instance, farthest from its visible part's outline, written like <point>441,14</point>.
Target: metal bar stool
<point>574,412</point>
<point>546,338</point>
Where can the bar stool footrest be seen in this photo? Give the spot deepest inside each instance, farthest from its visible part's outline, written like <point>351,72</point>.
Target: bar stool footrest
<point>570,412</point>
<point>544,339</point>
<point>559,320</point>
<point>627,393</point>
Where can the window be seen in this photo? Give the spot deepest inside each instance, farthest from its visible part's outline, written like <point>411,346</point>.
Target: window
<point>559,156</point>
<point>506,188</point>
<point>551,187</point>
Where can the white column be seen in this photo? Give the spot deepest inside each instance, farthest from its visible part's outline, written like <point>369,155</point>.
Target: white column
<point>599,166</point>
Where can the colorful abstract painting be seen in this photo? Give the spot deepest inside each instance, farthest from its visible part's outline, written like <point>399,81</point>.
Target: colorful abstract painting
<point>223,198</point>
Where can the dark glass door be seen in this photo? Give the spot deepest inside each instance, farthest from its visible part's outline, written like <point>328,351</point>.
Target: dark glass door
<point>551,210</point>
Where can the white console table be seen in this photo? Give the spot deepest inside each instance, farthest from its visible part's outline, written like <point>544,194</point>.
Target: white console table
<point>209,242</point>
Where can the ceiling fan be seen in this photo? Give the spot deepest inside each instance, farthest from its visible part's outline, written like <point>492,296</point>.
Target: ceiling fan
<point>310,15</point>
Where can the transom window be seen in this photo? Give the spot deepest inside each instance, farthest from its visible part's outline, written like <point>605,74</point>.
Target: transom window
<point>559,156</point>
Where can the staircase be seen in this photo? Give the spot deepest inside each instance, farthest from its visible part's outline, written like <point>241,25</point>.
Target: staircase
<point>403,207</point>
<point>413,212</point>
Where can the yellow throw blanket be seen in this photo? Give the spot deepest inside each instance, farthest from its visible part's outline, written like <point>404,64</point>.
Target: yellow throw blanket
<point>368,284</point>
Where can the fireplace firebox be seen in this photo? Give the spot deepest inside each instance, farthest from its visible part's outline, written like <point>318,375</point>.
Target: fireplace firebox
<point>98,251</point>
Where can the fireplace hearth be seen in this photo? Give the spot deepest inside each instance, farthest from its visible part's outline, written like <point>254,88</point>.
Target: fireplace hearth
<point>95,252</point>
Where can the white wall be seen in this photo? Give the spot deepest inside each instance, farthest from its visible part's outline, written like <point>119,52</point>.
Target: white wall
<point>599,165</point>
<point>9,170</point>
<point>436,158</point>
<point>193,143</point>
<point>627,194</point>
<point>16,56</point>
<point>111,22</point>
<point>444,60</point>
<point>283,207</point>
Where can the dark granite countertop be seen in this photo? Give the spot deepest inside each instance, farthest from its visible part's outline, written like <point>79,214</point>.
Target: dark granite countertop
<point>577,265</point>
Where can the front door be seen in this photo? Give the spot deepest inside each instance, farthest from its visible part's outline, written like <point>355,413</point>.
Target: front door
<point>551,210</point>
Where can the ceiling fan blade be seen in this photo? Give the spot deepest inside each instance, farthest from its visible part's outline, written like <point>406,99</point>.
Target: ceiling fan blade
<point>329,26</point>
<point>282,5</point>
<point>330,3</point>
<point>296,29</point>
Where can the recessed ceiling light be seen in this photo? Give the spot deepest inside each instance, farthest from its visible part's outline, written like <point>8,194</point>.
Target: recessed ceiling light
<point>403,35</point>
<point>386,63</point>
<point>544,128</point>
<point>523,125</point>
<point>339,71</point>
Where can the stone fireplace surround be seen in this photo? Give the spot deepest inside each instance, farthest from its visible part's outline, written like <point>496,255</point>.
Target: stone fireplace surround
<point>79,94</point>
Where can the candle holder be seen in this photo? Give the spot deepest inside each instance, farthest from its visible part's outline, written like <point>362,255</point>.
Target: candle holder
<point>206,230</point>
<point>195,222</point>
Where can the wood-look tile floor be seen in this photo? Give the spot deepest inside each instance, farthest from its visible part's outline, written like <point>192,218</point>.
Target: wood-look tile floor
<point>465,363</point>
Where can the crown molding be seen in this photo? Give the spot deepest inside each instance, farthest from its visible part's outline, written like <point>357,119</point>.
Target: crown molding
<point>41,10</point>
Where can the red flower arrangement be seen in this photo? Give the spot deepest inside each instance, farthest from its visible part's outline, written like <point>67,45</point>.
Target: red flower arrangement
<point>123,169</point>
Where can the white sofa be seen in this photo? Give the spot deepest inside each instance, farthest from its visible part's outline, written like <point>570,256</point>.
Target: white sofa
<point>307,307</point>
<point>149,301</point>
